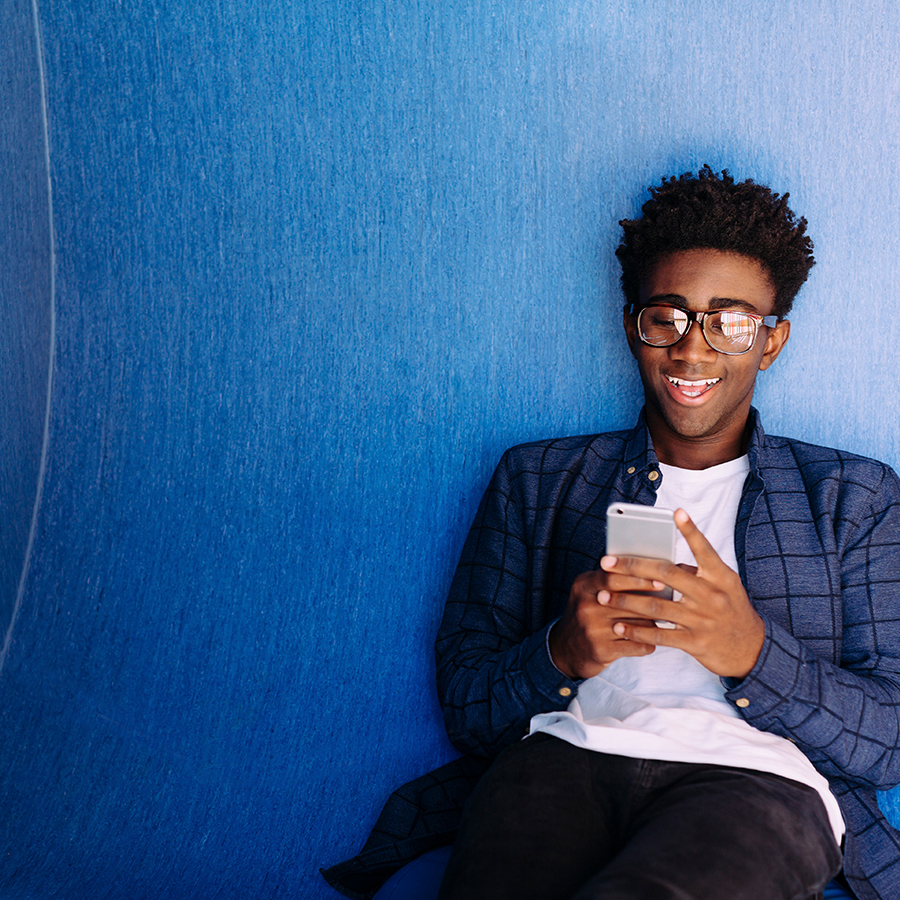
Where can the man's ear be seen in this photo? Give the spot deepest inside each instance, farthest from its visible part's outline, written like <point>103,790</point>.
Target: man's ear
<point>778,337</point>
<point>630,324</point>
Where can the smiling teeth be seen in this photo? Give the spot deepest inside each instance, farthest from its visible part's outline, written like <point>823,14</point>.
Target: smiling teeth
<point>693,389</point>
<point>681,382</point>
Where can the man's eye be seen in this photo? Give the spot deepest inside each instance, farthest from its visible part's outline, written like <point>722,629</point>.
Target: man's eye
<point>732,325</point>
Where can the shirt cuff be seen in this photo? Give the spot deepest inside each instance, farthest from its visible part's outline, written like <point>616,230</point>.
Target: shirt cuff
<point>555,683</point>
<point>772,681</point>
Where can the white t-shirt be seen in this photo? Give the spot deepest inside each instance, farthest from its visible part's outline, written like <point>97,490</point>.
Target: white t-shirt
<point>668,706</point>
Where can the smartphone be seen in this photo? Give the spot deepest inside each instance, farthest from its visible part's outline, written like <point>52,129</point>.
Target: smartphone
<point>645,531</point>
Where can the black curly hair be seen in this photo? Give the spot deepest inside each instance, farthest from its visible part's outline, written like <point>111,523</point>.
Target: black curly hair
<point>709,210</point>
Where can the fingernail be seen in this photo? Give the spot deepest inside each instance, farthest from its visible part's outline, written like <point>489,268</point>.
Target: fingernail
<point>608,562</point>
<point>619,629</point>
<point>603,597</point>
<point>658,585</point>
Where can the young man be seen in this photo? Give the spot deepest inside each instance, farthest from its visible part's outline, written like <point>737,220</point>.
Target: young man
<point>731,755</point>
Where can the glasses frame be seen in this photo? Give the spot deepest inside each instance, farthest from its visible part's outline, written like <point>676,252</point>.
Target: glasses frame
<point>636,310</point>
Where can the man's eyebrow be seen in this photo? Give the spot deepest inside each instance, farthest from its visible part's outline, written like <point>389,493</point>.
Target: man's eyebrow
<point>715,303</point>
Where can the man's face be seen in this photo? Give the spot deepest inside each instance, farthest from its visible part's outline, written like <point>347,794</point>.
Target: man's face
<point>698,399</point>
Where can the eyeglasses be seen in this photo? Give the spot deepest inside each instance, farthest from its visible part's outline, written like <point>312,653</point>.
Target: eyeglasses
<point>726,330</point>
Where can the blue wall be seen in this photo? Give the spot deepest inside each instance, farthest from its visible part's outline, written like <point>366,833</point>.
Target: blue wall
<point>26,302</point>
<point>316,266</point>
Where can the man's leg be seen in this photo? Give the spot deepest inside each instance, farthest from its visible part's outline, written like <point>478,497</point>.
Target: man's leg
<point>551,821</point>
<point>533,829</point>
<point>706,833</point>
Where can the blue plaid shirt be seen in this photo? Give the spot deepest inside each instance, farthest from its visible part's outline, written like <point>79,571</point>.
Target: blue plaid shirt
<point>818,546</point>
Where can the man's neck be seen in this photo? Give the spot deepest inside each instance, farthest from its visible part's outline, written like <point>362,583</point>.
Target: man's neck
<point>696,453</point>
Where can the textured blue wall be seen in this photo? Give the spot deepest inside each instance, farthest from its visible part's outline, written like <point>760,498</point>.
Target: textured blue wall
<point>317,266</point>
<point>25,294</point>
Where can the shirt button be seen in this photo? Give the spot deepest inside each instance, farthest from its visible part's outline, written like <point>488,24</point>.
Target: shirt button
<point>631,470</point>
<point>653,475</point>
<point>565,692</point>
<point>743,703</point>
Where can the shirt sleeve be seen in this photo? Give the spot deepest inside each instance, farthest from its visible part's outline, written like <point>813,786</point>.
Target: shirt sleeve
<point>494,670</point>
<point>845,718</point>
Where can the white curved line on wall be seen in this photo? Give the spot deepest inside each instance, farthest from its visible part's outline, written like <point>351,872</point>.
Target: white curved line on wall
<point>32,531</point>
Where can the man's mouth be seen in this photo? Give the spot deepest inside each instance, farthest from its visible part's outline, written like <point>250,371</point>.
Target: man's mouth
<point>692,389</point>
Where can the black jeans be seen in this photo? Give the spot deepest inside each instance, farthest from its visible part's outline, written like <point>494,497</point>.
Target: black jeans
<point>550,821</point>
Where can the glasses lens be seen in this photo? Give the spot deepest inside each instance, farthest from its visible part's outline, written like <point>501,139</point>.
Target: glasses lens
<point>662,326</point>
<point>730,332</point>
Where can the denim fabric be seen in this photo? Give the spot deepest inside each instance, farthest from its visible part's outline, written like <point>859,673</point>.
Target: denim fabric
<point>551,821</point>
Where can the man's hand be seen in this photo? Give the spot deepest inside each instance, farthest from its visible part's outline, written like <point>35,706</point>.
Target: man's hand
<point>715,621</point>
<point>584,641</point>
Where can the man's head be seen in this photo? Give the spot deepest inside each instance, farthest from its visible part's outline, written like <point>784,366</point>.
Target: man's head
<point>709,272</point>
<point>710,211</point>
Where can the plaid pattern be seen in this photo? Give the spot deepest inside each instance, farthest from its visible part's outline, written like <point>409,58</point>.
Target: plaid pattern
<point>818,544</point>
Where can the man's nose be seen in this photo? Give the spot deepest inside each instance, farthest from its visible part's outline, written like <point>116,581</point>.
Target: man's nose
<point>693,347</point>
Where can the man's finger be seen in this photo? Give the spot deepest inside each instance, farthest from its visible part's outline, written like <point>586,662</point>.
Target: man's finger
<point>633,648</point>
<point>644,607</point>
<point>653,574</point>
<point>649,634</point>
<point>702,549</point>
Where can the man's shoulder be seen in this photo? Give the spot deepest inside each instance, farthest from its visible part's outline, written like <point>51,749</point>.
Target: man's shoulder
<point>553,452</point>
<point>817,462</point>
<point>549,466</point>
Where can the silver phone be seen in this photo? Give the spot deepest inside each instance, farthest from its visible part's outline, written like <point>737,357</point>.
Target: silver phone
<point>645,531</point>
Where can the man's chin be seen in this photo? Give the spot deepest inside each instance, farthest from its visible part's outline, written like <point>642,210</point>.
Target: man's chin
<point>691,424</point>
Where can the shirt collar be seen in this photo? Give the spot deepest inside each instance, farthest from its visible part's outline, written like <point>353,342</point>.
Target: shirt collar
<point>757,439</point>
<point>640,457</point>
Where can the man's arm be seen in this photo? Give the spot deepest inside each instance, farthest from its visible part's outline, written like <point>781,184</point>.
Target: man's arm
<point>493,668</point>
<point>501,655</point>
<point>846,719</point>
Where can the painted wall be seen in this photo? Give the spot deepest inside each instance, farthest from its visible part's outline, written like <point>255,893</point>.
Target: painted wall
<point>316,266</point>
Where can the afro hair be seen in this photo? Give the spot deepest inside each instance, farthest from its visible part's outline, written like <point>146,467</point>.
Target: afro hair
<point>710,211</point>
